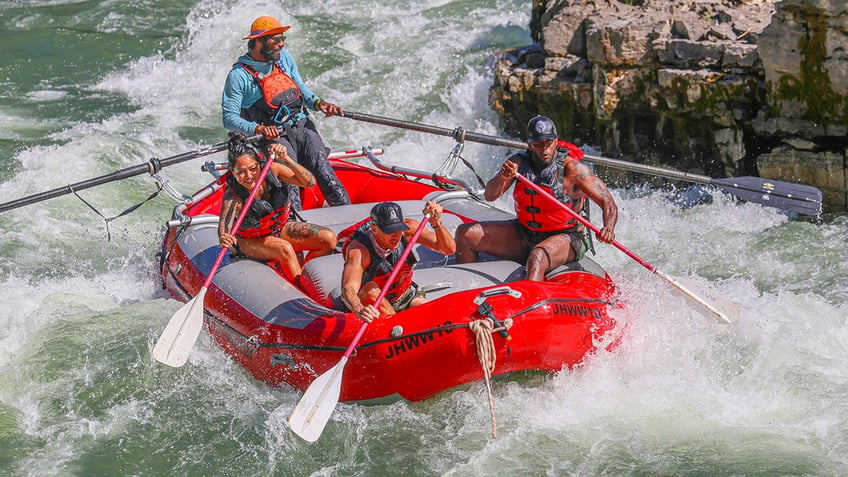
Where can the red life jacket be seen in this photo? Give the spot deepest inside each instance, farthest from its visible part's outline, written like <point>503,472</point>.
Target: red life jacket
<point>573,151</point>
<point>344,235</point>
<point>280,93</point>
<point>380,268</point>
<point>539,213</point>
<point>271,224</point>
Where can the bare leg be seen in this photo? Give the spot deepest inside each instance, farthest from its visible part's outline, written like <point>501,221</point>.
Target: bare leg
<point>417,301</point>
<point>499,238</point>
<point>548,254</point>
<point>315,239</point>
<point>369,293</point>
<point>274,248</point>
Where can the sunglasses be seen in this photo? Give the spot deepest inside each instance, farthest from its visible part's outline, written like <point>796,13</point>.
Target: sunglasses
<point>276,39</point>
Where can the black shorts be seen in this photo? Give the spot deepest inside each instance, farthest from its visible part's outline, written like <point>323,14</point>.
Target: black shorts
<point>579,240</point>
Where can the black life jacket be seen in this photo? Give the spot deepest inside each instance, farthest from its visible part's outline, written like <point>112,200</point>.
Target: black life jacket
<point>380,268</point>
<point>265,217</point>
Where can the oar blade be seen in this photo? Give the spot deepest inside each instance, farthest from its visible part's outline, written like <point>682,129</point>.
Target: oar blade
<point>704,299</point>
<point>799,198</point>
<point>312,412</point>
<point>174,345</point>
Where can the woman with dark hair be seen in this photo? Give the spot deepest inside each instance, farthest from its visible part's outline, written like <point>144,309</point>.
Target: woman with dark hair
<point>266,232</point>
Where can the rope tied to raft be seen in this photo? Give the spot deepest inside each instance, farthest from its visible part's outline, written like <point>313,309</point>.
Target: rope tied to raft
<point>486,354</point>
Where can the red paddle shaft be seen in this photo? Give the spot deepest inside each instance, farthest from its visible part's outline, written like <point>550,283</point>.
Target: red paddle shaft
<point>582,220</point>
<point>244,209</point>
<point>388,283</point>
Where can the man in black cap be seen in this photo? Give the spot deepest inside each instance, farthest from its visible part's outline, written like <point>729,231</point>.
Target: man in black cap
<point>543,236</point>
<point>373,251</point>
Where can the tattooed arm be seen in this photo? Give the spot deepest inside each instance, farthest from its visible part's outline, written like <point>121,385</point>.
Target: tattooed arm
<point>230,208</point>
<point>293,173</point>
<point>579,178</point>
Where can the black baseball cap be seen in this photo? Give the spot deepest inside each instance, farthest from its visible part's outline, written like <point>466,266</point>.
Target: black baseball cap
<point>388,216</point>
<point>540,128</point>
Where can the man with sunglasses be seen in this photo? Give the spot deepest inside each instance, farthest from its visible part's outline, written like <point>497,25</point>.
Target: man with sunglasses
<point>373,251</point>
<point>542,235</point>
<point>264,91</point>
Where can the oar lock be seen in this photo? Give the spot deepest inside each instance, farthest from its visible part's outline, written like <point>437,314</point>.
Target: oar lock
<point>459,135</point>
<point>154,165</point>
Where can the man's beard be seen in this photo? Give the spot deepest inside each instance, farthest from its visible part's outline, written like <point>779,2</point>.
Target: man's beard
<point>270,52</point>
<point>539,162</point>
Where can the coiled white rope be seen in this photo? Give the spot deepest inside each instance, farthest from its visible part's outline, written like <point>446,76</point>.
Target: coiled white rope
<point>483,329</point>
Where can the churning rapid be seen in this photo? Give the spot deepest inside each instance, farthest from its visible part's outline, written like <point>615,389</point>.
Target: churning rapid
<point>91,87</point>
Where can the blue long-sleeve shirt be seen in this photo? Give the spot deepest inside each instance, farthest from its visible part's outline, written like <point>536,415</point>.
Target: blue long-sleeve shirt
<point>241,90</point>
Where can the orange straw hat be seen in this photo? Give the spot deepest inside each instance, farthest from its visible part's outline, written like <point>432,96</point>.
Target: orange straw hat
<point>264,26</point>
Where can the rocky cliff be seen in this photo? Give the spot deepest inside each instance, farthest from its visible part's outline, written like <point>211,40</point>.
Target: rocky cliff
<point>717,87</point>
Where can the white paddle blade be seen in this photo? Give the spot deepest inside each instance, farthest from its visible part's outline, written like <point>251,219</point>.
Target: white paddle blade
<point>177,340</point>
<point>311,414</point>
<point>705,300</point>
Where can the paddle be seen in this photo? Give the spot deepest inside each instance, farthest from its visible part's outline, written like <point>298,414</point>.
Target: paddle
<point>711,304</point>
<point>799,198</point>
<point>152,166</point>
<point>312,412</point>
<point>175,343</point>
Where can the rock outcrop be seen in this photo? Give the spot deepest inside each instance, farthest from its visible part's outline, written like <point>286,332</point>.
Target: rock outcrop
<point>717,87</point>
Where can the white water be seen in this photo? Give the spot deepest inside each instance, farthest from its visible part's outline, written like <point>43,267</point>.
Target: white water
<point>680,395</point>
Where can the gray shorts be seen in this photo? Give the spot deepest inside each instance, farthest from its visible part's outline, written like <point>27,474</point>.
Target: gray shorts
<point>402,302</point>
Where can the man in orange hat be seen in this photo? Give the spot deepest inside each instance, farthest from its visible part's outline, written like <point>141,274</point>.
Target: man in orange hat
<point>264,92</point>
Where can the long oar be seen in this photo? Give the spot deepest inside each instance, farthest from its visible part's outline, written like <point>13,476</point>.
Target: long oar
<point>175,344</point>
<point>312,412</point>
<point>706,301</point>
<point>799,198</point>
<point>152,166</point>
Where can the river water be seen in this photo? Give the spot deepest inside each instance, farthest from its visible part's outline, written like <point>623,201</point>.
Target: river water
<point>93,86</point>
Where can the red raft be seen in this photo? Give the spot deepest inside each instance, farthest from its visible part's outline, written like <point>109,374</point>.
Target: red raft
<point>285,334</point>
